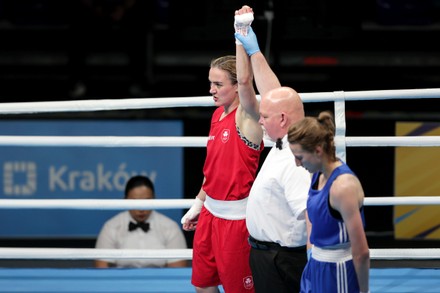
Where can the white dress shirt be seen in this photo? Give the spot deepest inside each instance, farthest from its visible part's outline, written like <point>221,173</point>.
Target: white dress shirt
<point>164,233</point>
<point>277,202</point>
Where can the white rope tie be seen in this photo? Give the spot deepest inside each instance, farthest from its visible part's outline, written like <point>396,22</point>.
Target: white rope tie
<point>340,125</point>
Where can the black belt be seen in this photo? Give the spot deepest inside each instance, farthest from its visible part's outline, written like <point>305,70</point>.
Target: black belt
<point>263,245</point>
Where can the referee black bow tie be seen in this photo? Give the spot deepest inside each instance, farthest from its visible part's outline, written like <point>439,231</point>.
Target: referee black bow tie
<point>133,226</point>
<point>279,144</point>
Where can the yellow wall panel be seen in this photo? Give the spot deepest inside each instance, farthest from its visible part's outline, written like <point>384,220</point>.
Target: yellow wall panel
<point>417,173</point>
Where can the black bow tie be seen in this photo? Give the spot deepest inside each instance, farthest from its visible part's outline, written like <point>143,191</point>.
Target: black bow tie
<point>279,144</point>
<point>144,226</point>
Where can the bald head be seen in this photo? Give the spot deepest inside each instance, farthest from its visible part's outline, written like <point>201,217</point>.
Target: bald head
<point>279,109</point>
<point>284,100</point>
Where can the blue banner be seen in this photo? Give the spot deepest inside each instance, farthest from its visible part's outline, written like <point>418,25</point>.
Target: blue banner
<point>82,173</point>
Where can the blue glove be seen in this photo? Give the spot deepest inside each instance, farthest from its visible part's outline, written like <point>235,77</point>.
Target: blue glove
<point>249,42</point>
<point>309,253</point>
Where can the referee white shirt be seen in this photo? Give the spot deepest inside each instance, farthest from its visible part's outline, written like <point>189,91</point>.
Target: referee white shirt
<point>164,233</point>
<point>277,202</point>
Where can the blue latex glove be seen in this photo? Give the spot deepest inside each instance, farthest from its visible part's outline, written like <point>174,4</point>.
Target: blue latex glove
<point>249,42</point>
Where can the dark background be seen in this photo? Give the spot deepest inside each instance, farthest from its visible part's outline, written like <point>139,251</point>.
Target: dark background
<point>315,46</point>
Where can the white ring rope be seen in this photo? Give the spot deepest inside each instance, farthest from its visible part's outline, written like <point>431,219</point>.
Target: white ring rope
<point>205,101</point>
<point>339,98</point>
<point>91,253</point>
<point>122,204</point>
<point>405,141</point>
<point>406,254</point>
<point>96,204</point>
<point>104,141</point>
<point>196,141</point>
<point>103,105</point>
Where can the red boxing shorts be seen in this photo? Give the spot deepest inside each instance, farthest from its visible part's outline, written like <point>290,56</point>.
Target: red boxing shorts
<point>221,254</point>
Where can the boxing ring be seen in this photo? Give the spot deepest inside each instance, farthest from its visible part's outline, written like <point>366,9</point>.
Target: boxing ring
<point>178,279</point>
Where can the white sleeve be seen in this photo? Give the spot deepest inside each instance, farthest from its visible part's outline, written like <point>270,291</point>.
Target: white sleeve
<point>107,239</point>
<point>297,184</point>
<point>175,238</point>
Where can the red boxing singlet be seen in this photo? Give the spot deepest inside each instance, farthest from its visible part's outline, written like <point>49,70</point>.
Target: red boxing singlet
<point>230,166</point>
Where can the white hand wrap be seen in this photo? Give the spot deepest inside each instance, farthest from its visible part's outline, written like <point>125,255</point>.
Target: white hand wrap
<point>194,211</point>
<point>242,22</point>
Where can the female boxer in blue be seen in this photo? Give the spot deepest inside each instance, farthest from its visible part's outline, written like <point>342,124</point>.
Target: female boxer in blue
<point>340,259</point>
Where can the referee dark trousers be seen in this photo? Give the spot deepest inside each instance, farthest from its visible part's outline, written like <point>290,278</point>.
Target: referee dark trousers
<point>275,268</point>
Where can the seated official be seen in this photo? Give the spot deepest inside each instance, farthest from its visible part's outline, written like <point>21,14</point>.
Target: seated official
<point>140,229</point>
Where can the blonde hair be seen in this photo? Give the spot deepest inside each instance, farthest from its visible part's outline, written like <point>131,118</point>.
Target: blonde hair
<point>228,64</point>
